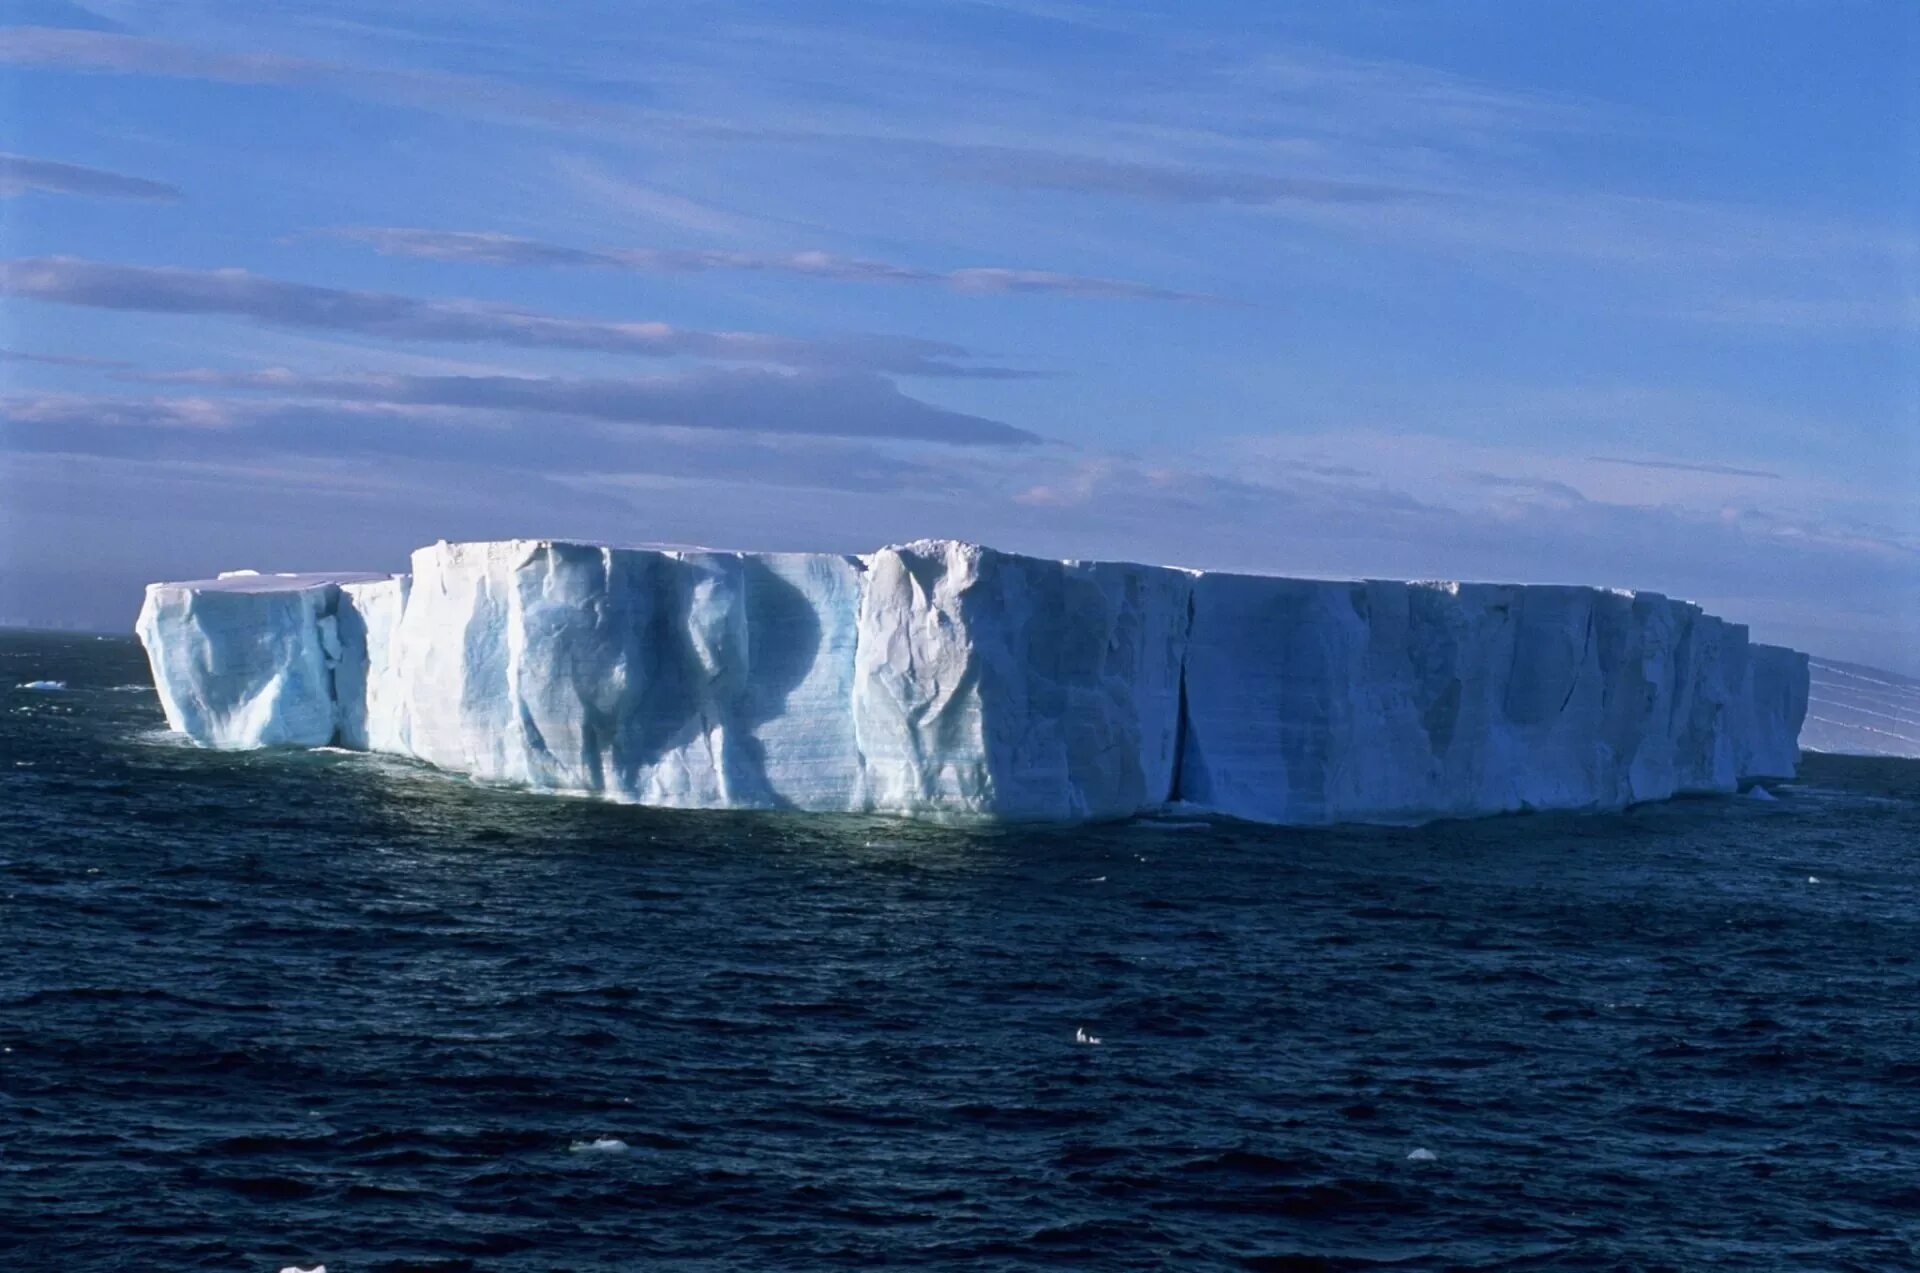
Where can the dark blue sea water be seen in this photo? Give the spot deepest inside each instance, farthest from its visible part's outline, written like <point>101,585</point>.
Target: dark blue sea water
<point>289,1009</point>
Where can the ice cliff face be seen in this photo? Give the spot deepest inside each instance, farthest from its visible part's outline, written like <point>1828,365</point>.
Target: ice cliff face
<point>687,679</point>
<point>248,660</point>
<point>948,680</point>
<point>987,683</point>
<point>1312,701</point>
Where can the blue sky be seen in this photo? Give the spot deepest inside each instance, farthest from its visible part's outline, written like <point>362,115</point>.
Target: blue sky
<point>1619,294</point>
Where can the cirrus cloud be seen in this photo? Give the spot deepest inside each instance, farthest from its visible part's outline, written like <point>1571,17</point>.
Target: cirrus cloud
<point>845,404</point>
<point>243,294</point>
<point>21,174</point>
<point>482,248</point>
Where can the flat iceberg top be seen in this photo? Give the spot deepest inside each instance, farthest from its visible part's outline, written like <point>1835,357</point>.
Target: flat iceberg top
<point>936,546</point>
<point>254,581</point>
<point>664,548</point>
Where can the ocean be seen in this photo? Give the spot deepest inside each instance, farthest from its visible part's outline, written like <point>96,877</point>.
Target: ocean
<point>288,1009</point>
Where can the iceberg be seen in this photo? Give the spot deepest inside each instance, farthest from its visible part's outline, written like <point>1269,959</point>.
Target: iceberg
<point>247,660</point>
<point>946,680</point>
<point>1863,711</point>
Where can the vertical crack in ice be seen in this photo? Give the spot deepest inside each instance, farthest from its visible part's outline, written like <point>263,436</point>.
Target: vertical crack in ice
<point>1580,666</point>
<point>1180,723</point>
<point>326,621</point>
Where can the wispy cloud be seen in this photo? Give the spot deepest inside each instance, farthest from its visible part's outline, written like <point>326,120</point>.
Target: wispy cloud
<point>747,400</point>
<point>1862,311</point>
<point>1726,470</point>
<point>20,174</point>
<point>475,247</point>
<point>1068,165</point>
<point>115,53</point>
<point>242,294</point>
<point>1650,522</point>
<point>1157,181</point>
<point>461,442</point>
<point>62,360</point>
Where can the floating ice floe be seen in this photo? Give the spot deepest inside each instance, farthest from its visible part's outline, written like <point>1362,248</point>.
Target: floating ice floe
<point>1081,1036</point>
<point>600,1145</point>
<point>1761,793</point>
<point>294,1268</point>
<point>1423,1155</point>
<point>43,685</point>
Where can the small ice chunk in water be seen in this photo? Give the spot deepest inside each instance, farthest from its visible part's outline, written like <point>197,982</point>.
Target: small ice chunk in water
<point>43,685</point>
<point>1081,1036</point>
<point>1813,879</point>
<point>295,1268</point>
<point>599,1145</point>
<point>1423,1155</point>
<point>1760,793</point>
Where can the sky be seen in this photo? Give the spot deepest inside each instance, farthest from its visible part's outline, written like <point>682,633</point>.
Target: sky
<point>1622,294</point>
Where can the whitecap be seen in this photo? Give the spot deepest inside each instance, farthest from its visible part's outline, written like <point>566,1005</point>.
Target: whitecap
<point>1081,1036</point>
<point>599,1145</point>
<point>1813,879</point>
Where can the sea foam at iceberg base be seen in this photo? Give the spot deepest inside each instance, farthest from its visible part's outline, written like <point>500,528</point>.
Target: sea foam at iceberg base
<point>946,680</point>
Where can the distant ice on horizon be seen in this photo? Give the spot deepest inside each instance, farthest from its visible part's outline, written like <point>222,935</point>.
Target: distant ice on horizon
<point>1862,711</point>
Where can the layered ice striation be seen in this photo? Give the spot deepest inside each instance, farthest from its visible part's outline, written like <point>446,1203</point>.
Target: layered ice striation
<point>944,679</point>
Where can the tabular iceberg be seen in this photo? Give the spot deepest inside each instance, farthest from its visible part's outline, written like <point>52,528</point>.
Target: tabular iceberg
<point>1862,711</point>
<point>943,679</point>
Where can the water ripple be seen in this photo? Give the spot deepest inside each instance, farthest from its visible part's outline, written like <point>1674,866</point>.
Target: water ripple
<point>278,1010</point>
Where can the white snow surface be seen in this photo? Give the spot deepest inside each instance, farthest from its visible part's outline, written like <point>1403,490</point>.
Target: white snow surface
<point>947,680</point>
